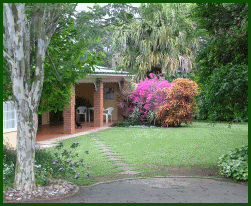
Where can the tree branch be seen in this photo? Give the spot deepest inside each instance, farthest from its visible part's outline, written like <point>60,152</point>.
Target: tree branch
<point>54,16</point>
<point>53,65</point>
<point>103,26</point>
<point>9,59</point>
<point>58,28</point>
<point>8,28</point>
<point>125,22</point>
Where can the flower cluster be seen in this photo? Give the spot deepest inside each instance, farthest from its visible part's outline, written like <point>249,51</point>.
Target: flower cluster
<point>147,96</point>
<point>74,144</point>
<point>65,161</point>
<point>8,169</point>
<point>59,145</point>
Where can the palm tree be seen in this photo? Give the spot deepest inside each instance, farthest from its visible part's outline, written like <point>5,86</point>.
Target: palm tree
<point>162,40</point>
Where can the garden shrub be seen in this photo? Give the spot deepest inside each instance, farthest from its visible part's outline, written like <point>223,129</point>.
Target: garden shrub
<point>123,97</point>
<point>121,124</point>
<point>235,164</point>
<point>179,103</point>
<point>147,96</point>
<point>67,163</point>
<point>43,160</point>
<point>42,166</point>
<point>9,161</point>
<point>9,154</point>
<point>225,97</point>
<point>64,164</point>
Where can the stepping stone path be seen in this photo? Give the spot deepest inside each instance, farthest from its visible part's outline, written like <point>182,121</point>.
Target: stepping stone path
<point>112,156</point>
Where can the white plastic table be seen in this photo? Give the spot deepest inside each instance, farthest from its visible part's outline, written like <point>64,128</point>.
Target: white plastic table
<point>89,112</point>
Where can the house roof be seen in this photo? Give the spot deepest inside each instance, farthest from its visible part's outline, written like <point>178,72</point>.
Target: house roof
<point>106,74</point>
<point>106,70</point>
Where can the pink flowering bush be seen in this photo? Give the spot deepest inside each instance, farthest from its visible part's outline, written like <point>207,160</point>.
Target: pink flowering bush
<point>147,96</point>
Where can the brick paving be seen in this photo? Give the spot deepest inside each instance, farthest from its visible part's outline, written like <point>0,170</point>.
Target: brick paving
<point>48,132</point>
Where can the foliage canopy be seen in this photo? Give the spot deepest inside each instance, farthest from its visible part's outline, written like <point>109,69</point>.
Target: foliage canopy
<point>162,40</point>
<point>221,63</point>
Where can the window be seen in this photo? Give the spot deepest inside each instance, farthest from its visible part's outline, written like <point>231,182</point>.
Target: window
<point>9,117</point>
<point>108,92</point>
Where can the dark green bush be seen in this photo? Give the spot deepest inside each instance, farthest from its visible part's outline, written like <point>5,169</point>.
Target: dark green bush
<point>43,159</point>
<point>43,173</point>
<point>9,154</point>
<point>225,96</point>
<point>235,164</point>
<point>9,161</point>
<point>121,124</point>
<point>133,123</point>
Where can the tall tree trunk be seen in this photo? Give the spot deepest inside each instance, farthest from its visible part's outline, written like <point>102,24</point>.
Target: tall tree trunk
<point>24,41</point>
<point>26,139</point>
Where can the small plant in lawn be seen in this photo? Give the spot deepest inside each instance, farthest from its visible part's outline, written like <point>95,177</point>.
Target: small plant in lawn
<point>41,175</point>
<point>65,161</point>
<point>235,164</point>
<point>60,145</point>
<point>75,144</point>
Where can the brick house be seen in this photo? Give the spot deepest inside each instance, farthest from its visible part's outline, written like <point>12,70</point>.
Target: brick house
<point>98,89</point>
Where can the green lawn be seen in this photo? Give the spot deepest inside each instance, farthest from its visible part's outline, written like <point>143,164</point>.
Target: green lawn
<point>147,149</point>
<point>197,144</point>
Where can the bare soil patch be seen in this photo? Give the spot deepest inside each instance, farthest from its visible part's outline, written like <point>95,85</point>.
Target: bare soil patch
<point>194,171</point>
<point>191,171</point>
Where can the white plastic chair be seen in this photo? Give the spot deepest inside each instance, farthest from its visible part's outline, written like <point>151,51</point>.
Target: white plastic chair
<point>109,112</point>
<point>81,110</point>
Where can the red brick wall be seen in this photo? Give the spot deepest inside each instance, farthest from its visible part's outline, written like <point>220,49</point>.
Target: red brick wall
<point>98,105</point>
<point>120,111</point>
<point>69,115</point>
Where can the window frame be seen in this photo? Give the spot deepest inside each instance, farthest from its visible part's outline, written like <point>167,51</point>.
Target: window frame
<point>10,109</point>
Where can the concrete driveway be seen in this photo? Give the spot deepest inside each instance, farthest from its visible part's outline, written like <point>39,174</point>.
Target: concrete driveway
<point>161,190</point>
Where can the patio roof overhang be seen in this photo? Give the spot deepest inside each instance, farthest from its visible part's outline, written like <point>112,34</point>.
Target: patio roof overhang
<point>107,75</point>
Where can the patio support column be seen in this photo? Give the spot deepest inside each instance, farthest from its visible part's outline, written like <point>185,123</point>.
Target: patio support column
<point>98,104</point>
<point>69,115</point>
<point>45,117</point>
<point>120,110</point>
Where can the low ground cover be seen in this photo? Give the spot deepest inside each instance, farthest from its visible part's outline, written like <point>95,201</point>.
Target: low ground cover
<point>46,159</point>
<point>235,164</point>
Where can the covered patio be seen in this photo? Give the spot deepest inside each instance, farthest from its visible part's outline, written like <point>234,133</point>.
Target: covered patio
<point>96,91</point>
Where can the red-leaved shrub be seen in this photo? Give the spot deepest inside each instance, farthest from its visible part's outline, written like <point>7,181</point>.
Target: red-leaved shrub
<point>179,104</point>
